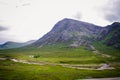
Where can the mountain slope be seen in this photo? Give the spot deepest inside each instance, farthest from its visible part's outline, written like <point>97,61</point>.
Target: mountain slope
<point>78,33</point>
<point>10,44</point>
<point>69,31</point>
<point>113,35</point>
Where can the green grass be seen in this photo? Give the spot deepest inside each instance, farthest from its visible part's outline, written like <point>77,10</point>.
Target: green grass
<point>115,53</point>
<point>19,71</point>
<point>59,54</point>
<point>107,49</point>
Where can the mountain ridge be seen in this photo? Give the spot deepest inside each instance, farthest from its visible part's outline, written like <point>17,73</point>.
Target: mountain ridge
<point>63,31</point>
<point>10,44</point>
<point>76,32</point>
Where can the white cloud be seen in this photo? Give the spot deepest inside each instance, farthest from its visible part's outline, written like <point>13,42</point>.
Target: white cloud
<point>37,18</point>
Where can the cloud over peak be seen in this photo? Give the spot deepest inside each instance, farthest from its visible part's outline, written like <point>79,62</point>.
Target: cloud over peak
<point>111,11</point>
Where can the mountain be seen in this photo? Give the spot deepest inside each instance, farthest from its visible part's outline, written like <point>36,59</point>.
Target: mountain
<point>112,37</point>
<point>78,33</point>
<point>69,31</point>
<point>11,44</point>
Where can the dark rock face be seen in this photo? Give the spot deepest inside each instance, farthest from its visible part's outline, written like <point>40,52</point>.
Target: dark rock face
<point>78,33</point>
<point>114,39</point>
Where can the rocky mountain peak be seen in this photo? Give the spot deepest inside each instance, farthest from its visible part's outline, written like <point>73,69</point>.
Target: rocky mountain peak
<point>70,31</point>
<point>72,24</point>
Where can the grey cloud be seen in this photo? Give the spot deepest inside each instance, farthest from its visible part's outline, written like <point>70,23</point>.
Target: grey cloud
<point>3,28</point>
<point>6,37</point>
<point>3,38</point>
<point>111,10</point>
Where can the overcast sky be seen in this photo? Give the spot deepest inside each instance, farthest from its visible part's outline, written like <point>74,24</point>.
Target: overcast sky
<point>23,20</point>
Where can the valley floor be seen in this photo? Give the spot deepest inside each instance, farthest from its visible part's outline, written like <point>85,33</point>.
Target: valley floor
<point>57,64</point>
<point>50,71</point>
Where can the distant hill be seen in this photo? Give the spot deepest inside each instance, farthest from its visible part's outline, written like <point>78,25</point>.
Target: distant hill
<point>78,33</point>
<point>9,44</point>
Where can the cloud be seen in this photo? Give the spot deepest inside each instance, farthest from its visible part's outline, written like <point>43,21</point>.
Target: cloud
<point>3,28</point>
<point>3,40</point>
<point>111,11</point>
<point>4,37</point>
<point>3,3</point>
<point>77,16</point>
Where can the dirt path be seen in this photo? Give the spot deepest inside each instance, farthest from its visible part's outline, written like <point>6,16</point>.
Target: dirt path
<point>86,67</point>
<point>78,66</point>
<point>98,52</point>
<point>3,58</point>
<point>27,62</point>
<point>105,66</point>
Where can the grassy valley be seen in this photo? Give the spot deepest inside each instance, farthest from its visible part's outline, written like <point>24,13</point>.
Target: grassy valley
<point>53,61</point>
